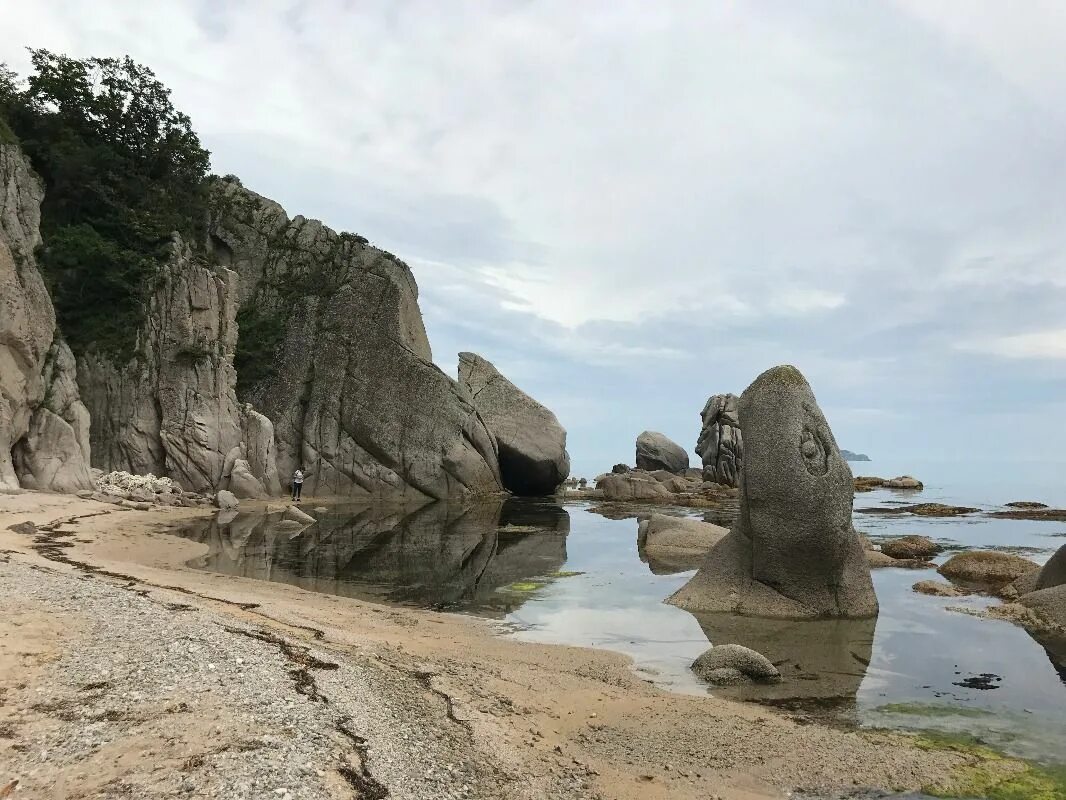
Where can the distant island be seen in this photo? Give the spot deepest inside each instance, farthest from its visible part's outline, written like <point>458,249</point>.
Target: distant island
<point>850,456</point>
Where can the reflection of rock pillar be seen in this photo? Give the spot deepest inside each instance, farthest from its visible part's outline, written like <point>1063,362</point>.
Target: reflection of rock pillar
<point>824,659</point>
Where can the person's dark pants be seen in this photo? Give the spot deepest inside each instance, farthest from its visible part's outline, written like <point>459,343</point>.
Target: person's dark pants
<point>296,487</point>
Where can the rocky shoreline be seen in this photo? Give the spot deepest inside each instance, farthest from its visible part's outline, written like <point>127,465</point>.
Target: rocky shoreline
<point>127,674</point>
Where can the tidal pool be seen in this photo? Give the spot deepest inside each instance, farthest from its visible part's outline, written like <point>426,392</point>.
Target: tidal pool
<point>562,573</point>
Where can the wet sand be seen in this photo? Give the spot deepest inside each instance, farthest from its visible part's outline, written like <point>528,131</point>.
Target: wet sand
<point>210,685</point>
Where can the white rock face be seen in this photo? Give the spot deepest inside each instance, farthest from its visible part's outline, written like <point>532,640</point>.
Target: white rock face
<point>43,430</point>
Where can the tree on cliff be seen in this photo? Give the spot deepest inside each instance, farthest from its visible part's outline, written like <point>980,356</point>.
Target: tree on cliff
<point>123,170</point>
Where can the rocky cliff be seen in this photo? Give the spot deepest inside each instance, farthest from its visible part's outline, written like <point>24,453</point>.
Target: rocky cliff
<point>44,427</point>
<point>279,343</point>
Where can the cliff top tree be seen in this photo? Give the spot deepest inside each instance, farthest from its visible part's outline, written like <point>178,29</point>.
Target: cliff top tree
<point>123,170</point>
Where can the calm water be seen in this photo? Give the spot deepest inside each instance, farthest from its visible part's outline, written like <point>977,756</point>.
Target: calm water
<point>561,573</point>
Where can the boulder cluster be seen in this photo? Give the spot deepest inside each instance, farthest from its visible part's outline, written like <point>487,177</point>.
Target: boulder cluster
<point>141,491</point>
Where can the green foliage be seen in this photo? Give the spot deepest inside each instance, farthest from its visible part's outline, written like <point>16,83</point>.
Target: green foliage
<point>260,334</point>
<point>123,170</point>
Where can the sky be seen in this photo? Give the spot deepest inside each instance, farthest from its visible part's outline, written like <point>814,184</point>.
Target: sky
<point>631,206</point>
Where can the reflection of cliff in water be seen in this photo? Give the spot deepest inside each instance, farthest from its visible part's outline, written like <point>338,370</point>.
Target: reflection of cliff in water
<point>438,555</point>
<point>822,662</point>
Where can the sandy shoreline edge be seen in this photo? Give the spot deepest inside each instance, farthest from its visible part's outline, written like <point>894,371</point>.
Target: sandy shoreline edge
<point>283,692</point>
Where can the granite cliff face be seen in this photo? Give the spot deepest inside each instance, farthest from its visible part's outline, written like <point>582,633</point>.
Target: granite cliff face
<point>44,427</point>
<point>336,379</point>
<point>274,343</point>
<point>348,382</point>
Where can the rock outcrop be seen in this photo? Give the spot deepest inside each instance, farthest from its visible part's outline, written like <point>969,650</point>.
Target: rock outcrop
<point>532,443</point>
<point>44,431</point>
<point>339,374</point>
<point>720,444</point>
<point>656,451</point>
<point>349,385</point>
<point>172,409</point>
<point>793,551</point>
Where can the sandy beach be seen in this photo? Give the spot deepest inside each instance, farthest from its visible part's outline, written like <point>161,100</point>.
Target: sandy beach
<point>125,674</point>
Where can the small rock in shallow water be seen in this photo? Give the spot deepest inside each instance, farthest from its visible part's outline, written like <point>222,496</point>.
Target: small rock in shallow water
<point>938,589</point>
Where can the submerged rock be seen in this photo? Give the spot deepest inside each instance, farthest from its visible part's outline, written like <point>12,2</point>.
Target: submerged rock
<point>656,451</point>
<point>720,445</point>
<point>938,589</point>
<point>725,663</point>
<point>532,443</point>
<point>793,551</point>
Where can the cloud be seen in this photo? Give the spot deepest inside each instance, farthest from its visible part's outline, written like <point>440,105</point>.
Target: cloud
<point>1049,344</point>
<point>631,206</point>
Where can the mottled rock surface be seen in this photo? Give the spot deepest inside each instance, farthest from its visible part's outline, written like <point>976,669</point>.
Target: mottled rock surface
<point>631,486</point>
<point>720,662</point>
<point>793,551</point>
<point>921,547</point>
<point>351,389</point>
<point>986,567</point>
<point>532,443</point>
<point>656,451</point>
<point>346,387</point>
<point>44,436</point>
<point>720,444</point>
<point>172,409</point>
<point>671,544</point>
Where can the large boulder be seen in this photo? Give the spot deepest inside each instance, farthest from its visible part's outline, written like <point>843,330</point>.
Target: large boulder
<point>656,451</point>
<point>987,568</point>
<point>793,551</point>
<point>44,431</point>
<point>532,443</point>
<point>720,445</point>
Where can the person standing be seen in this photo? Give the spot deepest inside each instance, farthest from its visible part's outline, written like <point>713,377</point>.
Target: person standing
<point>297,484</point>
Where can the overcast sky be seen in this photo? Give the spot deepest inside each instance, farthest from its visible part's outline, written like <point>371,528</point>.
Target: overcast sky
<point>629,206</point>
